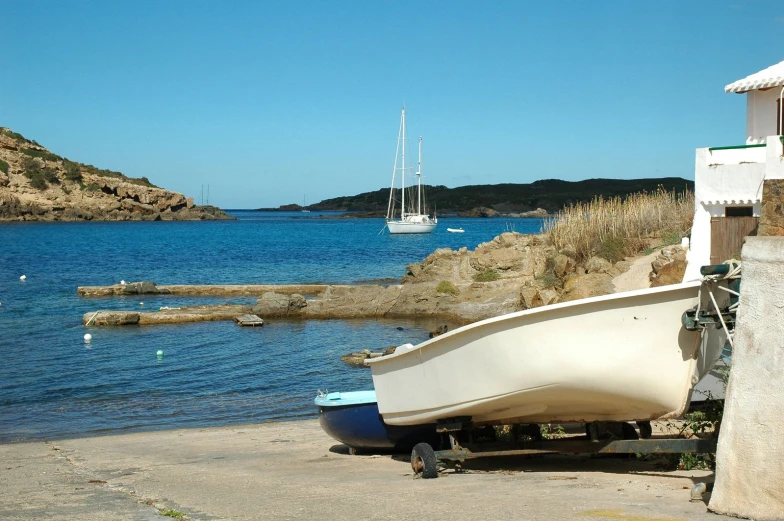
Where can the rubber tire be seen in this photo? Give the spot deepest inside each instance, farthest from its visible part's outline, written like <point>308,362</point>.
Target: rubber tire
<point>629,432</point>
<point>645,429</point>
<point>424,452</point>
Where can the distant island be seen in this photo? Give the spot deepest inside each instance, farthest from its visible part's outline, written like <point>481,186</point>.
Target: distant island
<point>537,199</point>
<point>38,185</point>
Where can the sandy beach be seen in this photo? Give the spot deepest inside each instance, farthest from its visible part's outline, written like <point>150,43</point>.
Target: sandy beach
<point>292,470</point>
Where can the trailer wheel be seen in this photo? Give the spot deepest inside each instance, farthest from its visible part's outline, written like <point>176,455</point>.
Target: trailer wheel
<point>645,429</point>
<point>423,461</point>
<point>627,429</point>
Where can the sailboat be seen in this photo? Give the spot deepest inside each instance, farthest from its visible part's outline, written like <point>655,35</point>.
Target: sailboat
<point>305,204</point>
<point>411,218</point>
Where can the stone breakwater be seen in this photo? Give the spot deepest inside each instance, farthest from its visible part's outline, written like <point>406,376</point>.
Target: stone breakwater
<point>512,272</point>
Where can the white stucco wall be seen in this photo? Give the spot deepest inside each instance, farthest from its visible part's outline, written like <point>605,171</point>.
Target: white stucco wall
<point>699,244</point>
<point>741,183</point>
<point>750,456</point>
<point>761,119</point>
<point>736,156</point>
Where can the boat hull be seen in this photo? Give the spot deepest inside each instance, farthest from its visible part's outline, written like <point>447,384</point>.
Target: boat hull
<point>618,357</point>
<point>359,425</point>
<point>402,227</point>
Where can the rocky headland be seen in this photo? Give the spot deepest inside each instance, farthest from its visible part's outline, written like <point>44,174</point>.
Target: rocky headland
<point>38,185</point>
<point>512,272</point>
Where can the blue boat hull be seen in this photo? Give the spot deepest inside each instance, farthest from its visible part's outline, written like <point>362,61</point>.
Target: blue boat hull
<point>360,426</point>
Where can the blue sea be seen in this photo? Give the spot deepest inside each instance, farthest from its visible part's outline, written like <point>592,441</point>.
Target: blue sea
<point>54,385</point>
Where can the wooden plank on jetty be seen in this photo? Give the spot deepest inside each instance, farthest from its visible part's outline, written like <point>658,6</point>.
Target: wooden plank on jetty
<point>249,320</point>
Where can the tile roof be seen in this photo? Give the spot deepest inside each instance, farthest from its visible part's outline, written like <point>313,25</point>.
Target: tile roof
<point>773,76</point>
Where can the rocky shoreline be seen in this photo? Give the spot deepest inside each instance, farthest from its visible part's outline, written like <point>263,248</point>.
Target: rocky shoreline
<point>512,272</point>
<point>37,185</point>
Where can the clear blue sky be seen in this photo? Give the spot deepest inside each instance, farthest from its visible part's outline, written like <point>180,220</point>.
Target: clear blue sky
<point>268,101</point>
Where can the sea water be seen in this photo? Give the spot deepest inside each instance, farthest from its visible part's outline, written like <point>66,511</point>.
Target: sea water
<point>54,385</point>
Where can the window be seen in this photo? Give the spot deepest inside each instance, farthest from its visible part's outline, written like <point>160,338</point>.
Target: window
<point>739,211</point>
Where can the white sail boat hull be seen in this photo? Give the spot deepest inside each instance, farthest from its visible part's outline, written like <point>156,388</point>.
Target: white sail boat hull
<point>618,357</point>
<point>411,226</point>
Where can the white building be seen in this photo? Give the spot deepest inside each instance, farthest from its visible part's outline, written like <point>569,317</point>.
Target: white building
<point>728,179</point>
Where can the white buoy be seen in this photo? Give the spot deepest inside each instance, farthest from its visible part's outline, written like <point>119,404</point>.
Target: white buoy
<point>141,303</point>
<point>88,337</point>
<point>159,353</point>
<point>122,283</point>
<point>23,277</point>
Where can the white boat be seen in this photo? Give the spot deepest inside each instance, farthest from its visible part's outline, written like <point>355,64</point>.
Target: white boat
<point>618,357</point>
<point>411,219</point>
<point>455,230</point>
<point>305,205</point>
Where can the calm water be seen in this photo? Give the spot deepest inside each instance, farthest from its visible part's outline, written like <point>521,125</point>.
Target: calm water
<point>54,385</point>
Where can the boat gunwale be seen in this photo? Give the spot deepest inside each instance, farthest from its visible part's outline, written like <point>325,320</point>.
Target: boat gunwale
<point>534,311</point>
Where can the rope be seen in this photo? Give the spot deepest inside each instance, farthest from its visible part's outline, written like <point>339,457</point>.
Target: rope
<point>92,318</point>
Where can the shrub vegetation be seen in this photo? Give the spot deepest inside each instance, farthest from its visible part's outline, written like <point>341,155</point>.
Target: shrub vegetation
<point>15,136</point>
<point>447,287</point>
<point>34,170</point>
<point>72,172</point>
<point>488,275</point>
<point>43,154</point>
<point>3,166</point>
<point>614,228</point>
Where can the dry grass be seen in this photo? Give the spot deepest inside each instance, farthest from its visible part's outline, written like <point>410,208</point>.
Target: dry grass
<point>614,228</point>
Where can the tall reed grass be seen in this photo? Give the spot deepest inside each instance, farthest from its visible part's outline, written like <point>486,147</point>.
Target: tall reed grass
<point>614,228</point>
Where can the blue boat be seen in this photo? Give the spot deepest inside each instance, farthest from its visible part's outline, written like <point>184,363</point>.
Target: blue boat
<point>353,419</point>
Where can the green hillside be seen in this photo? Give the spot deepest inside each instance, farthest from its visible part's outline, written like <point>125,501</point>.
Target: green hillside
<point>549,194</point>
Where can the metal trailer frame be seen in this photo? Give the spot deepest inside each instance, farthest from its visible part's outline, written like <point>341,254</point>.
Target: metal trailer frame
<point>425,460</point>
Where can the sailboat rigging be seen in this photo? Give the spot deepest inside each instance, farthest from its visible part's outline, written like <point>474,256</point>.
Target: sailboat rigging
<point>412,219</point>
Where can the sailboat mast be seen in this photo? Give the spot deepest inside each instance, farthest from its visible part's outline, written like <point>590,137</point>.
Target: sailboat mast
<point>390,206</point>
<point>419,179</point>
<point>403,170</point>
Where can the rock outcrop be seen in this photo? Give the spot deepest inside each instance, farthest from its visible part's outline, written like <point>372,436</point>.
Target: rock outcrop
<point>668,267</point>
<point>446,285</point>
<point>37,185</point>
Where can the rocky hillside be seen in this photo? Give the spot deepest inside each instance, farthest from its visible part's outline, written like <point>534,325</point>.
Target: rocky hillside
<point>37,185</point>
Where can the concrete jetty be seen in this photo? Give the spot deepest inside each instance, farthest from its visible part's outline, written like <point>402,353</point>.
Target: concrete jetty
<point>166,316</point>
<point>217,290</point>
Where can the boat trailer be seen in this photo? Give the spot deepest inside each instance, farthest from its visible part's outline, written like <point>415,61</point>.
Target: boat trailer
<point>425,461</point>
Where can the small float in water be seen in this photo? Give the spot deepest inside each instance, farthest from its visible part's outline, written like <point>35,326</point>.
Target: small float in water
<point>455,230</point>
<point>353,419</point>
